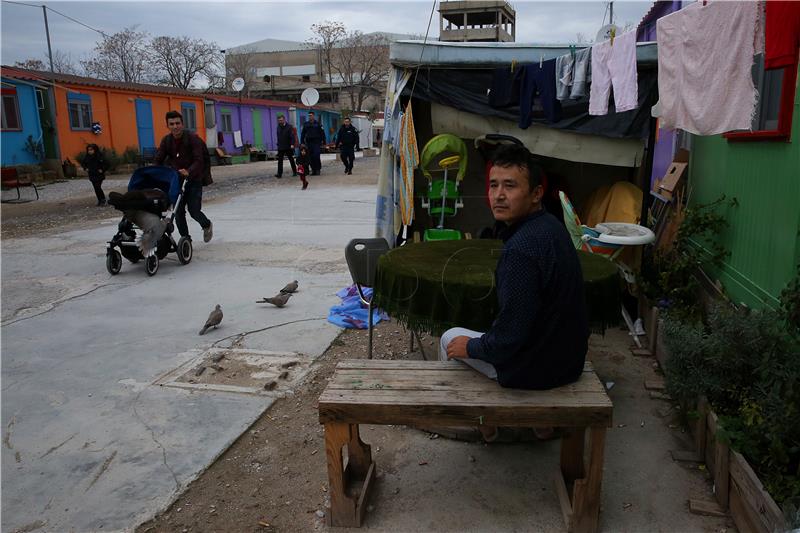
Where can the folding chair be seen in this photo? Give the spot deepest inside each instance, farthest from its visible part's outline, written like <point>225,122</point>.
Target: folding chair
<point>362,261</point>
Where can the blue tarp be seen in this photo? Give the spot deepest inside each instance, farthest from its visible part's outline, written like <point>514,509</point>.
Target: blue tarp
<point>164,178</point>
<point>351,313</point>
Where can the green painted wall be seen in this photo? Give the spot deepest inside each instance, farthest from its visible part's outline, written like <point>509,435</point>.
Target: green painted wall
<point>764,233</point>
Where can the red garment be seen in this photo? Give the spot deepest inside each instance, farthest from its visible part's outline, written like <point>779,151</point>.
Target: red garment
<point>782,34</point>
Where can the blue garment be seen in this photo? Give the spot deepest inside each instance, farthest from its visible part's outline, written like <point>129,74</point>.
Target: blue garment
<point>351,313</point>
<point>538,81</point>
<point>540,336</point>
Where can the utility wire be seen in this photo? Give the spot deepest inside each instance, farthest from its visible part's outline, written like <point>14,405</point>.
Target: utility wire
<point>21,3</point>
<point>76,21</point>
<point>421,52</point>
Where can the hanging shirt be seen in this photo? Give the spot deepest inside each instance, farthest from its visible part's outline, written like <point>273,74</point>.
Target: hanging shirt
<point>538,81</point>
<point>614,65</point>
<point>782,34</point>
<point>571,74</point>
<point>505,88</point>
<point>705,55</point>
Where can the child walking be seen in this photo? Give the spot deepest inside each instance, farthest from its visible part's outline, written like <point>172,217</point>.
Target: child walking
<point>95,165</point>
<point>303,161</point>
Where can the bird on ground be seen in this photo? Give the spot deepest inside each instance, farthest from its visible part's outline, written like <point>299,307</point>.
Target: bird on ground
<point>290,287</point>
<point>213,320</point>
<point>279,300</point>
<point>152,227</point>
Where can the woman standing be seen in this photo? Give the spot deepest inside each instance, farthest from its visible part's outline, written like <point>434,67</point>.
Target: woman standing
<point>95,165</point>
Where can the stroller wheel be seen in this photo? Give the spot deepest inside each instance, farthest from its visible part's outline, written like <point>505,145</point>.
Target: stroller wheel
<point>184,250</point>
<point>113,262</point>
<point>151,265</point>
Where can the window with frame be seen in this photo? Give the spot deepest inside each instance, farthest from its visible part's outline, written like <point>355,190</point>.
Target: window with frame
<point>189,113</point>
<point>10,115</point>
<point>40,98</point>
<point>226,121</point>
<point>211,118</point>
<point>80,111</point>
<point>772,119</point>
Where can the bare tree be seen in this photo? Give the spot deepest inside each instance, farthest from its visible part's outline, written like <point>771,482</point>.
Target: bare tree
<point>180,60</point>
<point>327,36</point>
<point>241,64</point>
<point>63,63</point>
<point>362,61</point>
<point>31,64</point>
<point>581,38</point>
<point>123,56</point>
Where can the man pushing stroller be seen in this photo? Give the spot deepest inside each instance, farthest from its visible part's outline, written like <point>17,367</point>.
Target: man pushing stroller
<point>185,152</point>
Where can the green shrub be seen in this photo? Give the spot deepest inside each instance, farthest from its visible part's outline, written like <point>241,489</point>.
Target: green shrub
<point>130,155</point>
<point>669,277</point>
<point>747,363</point>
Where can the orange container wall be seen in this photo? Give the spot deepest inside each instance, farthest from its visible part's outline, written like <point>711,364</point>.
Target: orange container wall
<point>115,110</point>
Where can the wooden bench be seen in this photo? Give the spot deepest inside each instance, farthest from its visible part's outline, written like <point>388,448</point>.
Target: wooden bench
<point>448,393</point>
<point>222,157</point>
<point>11,180</point>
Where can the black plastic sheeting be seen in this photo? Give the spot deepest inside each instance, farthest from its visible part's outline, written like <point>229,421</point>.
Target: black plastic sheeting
<point>466,90</point>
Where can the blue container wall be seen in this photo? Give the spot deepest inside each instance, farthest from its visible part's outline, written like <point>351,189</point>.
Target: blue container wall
<point>13,142</point>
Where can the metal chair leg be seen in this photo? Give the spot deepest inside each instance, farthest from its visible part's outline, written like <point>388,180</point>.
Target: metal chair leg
<point>369,322</point>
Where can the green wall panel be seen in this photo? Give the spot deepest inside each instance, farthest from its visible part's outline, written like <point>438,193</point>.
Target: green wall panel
<point>763,236</point>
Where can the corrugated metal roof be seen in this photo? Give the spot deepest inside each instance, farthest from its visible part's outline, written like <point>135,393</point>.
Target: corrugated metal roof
<point>281,45</point>
<point>49,77</point>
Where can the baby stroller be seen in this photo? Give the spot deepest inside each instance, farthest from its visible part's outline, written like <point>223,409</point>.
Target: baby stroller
<point>145,232</point>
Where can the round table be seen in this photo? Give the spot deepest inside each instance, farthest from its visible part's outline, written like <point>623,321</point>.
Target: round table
<point>433,286</point>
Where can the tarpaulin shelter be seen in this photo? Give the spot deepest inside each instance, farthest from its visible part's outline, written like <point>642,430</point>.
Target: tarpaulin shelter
<point>447,85</point>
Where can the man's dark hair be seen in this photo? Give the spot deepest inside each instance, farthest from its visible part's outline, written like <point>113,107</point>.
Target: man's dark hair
<point>508,155</point>
<point>311,113</point>
<point>173,114</point>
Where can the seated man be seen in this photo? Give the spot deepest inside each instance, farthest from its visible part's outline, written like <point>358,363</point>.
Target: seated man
<point>540,336</point>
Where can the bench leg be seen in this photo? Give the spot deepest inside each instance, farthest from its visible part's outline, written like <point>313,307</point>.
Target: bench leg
<point>347,510</point>
<point>586,491</point>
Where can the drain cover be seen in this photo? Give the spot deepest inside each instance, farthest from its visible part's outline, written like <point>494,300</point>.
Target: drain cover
<point>239,370</point>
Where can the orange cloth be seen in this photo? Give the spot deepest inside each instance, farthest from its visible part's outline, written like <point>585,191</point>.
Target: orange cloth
<point>620,202</point>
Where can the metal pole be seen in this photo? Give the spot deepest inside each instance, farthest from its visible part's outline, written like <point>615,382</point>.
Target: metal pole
<point>611,16</point>
<point>47,31</point>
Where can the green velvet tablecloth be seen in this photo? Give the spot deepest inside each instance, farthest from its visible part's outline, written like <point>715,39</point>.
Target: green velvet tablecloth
<point>433,286</point>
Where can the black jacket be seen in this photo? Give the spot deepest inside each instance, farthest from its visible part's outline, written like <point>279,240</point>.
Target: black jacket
<point>313,133</point>
<point>95,165</point>
<point>189,153</point>
<point>540,336</point>
<point>286,136</point>
<point>347,137</point>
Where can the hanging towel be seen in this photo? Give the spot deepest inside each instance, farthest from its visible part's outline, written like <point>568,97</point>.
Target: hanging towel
<point>705,55</point>
<point>409,159</point>
<point>614,65</point>
<point>782,34</point>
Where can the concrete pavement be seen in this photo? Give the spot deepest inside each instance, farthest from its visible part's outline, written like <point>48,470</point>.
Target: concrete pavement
<point>90,442</point>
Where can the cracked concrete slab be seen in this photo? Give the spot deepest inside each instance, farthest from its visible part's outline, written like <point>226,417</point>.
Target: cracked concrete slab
<point>90,441</point>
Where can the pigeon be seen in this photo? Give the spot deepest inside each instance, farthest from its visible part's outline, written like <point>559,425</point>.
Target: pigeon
<point>290,288</point>
<point>152,227</point>
<point>213,320</point>
<point>279,300</point>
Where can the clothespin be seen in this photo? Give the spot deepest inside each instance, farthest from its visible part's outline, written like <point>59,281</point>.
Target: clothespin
<point>541,59</point>
<point>613,34</point>
<point>513,65</point>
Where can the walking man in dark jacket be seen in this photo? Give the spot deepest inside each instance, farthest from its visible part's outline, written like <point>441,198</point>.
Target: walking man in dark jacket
<point>347,142</point>
<point>183,151</point>
<point>287,140</point>
<point>313,136</point>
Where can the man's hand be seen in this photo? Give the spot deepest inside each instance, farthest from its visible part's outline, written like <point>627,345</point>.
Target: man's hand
<point>183,172</point>
<point>458,348</point>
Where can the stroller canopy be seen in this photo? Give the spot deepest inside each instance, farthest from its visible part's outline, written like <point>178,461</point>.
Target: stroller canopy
<point>164,178</point>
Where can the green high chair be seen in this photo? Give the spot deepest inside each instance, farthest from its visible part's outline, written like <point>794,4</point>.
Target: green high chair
<point>443,197</point>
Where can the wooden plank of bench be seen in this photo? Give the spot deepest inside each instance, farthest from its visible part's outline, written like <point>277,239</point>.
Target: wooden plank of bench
<point>385,392</point>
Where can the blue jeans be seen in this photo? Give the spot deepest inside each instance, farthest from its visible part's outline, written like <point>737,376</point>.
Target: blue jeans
<point>193,200</point>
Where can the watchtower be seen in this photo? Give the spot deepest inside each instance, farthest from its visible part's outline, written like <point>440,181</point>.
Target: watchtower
<point>477,21</point>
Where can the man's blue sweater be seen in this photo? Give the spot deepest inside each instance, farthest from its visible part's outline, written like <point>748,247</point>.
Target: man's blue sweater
<point>540,335</point>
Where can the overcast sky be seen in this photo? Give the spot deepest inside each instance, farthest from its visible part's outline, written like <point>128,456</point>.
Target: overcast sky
<point>234,23</point>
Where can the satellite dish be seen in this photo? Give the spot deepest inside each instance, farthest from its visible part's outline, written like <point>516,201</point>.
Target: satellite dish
<point>310,97</point>
<point>605,33</point>
<point>237,84</point>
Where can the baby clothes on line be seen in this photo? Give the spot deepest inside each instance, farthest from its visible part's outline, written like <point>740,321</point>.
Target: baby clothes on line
<point>536,80</point>
<point>614,66</point>
<point>505,88</point>
<point>571,74</point>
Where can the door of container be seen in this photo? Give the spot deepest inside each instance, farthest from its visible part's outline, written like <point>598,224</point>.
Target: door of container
<point>258,129</point>
<point>144,124</point>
